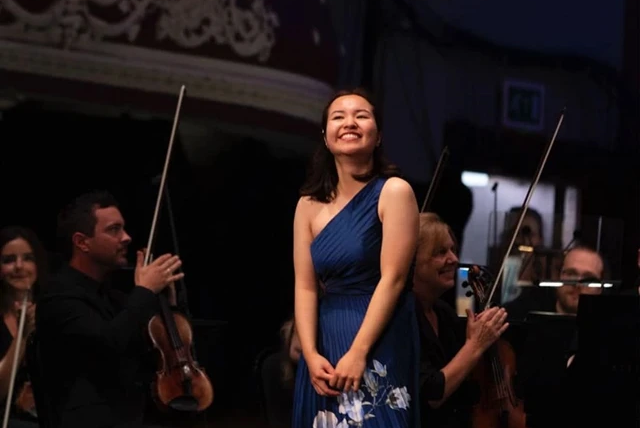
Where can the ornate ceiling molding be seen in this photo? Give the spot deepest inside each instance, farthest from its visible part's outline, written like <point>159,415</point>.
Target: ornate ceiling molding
<point>157,45</point>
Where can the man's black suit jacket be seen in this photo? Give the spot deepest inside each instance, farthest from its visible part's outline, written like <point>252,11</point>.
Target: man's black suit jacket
<point>93,351</point>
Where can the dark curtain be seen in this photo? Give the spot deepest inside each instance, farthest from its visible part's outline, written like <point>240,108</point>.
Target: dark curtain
<point>404,79</point>
<point>349,19</point>
<point>382,46</point>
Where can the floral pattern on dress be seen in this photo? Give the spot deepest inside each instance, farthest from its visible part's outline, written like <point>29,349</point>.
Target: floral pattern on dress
<point>356,407</point>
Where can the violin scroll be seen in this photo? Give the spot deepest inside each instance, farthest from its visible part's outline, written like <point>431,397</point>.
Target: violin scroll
<point>479,281</point>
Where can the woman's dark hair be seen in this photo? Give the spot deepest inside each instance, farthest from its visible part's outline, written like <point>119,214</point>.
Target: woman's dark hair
<point>8,234</point>
<point>322,176</point>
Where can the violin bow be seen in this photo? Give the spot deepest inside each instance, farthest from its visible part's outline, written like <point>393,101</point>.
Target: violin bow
<point>444,156</point>
<point>163,177</point>
<point>181,298</point>
<point>16,357</point>
<point>525,205</point>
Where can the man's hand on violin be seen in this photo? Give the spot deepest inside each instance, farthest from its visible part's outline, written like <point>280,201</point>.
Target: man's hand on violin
<point>484,329</point>
<point>159,273</point>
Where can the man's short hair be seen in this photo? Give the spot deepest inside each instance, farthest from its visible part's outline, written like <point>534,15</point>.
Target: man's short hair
<point>80,216</point>
<point>605,266</point>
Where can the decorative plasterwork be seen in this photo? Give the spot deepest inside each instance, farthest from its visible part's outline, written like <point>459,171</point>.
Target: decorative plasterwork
<point>249,32</point>
<point>122,43</point>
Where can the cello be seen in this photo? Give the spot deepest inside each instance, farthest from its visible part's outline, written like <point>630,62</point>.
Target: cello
<point>498,406</point>
<point>180,383</point>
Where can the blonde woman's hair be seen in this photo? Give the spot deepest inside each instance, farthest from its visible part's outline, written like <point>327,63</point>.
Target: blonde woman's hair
<point>433,232</point>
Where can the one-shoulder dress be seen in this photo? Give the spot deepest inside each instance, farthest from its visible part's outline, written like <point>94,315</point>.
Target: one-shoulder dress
<point>346,258</point>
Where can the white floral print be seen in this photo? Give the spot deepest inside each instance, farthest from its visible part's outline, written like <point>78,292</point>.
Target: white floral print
<point>356,407</point>
<point>327,419</point>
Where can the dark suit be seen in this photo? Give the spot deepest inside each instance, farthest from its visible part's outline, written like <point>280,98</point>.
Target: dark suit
<point>630,291</point>
<point>435,353</point>
<point>93,351</point>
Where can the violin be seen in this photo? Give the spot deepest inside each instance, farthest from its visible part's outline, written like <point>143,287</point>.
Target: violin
<point>180,383</point>
<point>16,357</point>
<point>498,406</point>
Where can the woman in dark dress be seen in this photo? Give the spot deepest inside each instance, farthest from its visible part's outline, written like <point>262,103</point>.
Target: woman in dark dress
<point>448,355</point>
<point>22,271</point>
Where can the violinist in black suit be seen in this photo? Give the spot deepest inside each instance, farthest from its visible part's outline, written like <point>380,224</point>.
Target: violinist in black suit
<point>91,336</point>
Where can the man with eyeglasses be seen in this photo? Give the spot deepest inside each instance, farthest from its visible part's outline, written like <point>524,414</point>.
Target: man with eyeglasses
<point>580,263</point>
<point>553,386</point>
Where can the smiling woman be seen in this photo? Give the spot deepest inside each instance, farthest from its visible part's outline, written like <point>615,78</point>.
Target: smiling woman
<point>355,111</point>
<point>23,270</point>
<point>355,232</point>
<point>18,268</point>
<point>351,128</point>
<point>447,355</point>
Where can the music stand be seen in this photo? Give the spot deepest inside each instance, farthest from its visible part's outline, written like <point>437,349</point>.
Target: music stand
<point>542,367</point>
<point>607,364</point>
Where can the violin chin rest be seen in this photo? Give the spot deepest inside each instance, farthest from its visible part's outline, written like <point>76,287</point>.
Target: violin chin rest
<point>186,403</point>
